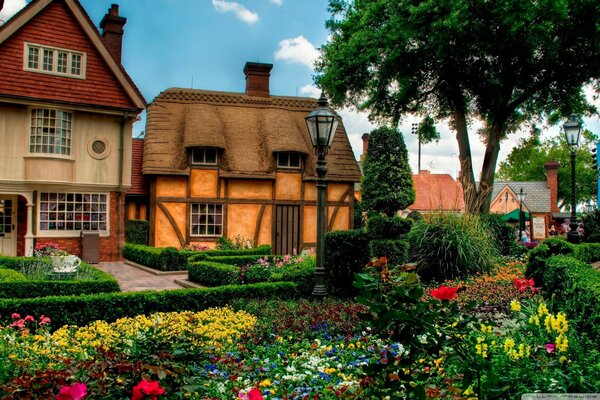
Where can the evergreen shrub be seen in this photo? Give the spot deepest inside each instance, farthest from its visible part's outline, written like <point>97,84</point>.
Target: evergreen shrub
<point>382,227</point>
<point>346,253</point>
<point>396,251</point>
<point>136,231</point>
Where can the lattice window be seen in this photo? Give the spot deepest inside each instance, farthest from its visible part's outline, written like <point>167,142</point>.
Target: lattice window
<point>50,131</point>
<point>73,211</point>
<point>288,160</point>
<point>204,156</point>
<point>51,60</point>
<point>206,220</point>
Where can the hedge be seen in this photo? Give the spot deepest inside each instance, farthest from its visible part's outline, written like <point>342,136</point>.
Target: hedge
<point>17,263</point>
<point>236,260</point>
<point>575,286</point>
<point>81,310</point>
<point>381,227</point>
<point>10,275</point>
<point>536,263</point>
<point>396,251</point>
<point>345,254</point>
<point>588,252</point>
<point>159,258</point>
<point>136,231</point>
<point>194,256</point>
<point>213,274</point>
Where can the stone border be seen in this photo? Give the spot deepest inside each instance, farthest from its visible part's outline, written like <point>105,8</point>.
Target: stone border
<point>152,270</point>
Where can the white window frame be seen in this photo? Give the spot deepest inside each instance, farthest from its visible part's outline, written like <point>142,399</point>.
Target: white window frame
<point>199,214</point>
<point>39,65</point>
<point>67,137</point>
<point>64,208</point>
<point>287,165</point>
<point>201,160</point>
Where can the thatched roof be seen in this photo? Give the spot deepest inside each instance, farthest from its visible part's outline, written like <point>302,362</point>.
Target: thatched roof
<point>249,130</point>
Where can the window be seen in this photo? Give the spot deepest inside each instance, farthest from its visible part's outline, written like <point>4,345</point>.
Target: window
<point>51,60</point>
<point>73,212</point>
<point>204,156</point>
<point>50,132</point>
<point>207,220</point>
<point>288,160</point>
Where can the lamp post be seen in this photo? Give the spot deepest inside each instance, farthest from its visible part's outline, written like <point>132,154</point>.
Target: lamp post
<point>322,124</point>
<point>417,131</point>
<point>521,197</point>
<point>572,130</point>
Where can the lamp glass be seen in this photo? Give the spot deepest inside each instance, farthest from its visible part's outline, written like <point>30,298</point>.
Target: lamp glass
<point>321,124</point>
<point>572,130</point>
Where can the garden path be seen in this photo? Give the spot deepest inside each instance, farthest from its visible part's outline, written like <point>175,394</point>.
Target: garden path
<point>132,279</point>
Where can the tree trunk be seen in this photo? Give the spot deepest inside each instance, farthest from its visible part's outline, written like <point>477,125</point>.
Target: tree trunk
<point>488,169</point>
<point>466,178</point>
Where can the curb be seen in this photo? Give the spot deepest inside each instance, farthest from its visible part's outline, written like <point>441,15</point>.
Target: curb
<point>152,270</point>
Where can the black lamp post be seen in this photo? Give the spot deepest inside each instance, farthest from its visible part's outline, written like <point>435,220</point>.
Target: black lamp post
<point>572,130</point>
<point>322,124</point>
<point>521,197</point>
<point>417,131</point>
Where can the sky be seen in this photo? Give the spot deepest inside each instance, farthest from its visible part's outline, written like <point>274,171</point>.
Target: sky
<point>204,44</point>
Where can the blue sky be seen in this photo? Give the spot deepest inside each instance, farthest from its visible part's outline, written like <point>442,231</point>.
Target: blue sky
<point>204,44</point>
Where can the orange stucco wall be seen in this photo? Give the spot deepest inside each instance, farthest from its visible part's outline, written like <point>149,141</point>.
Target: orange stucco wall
<point>241,220</point>
<point>310,191</point>
<point>265,235</point>
<point>249,189</point>
<point>171,186</point>
<point>203,183</point>
<point>336,191</point>
<point>309,226</point>
<point>499,205</point>
<point>288,186</point>
<point>164,232</point>
<point>341,218</point>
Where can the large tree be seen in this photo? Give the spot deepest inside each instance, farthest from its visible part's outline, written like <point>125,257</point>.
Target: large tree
<point>504,62</point>
<point>387,184</point>
<point>526,163</point>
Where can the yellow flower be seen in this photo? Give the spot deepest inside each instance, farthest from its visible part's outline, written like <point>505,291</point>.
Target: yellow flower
<point>469,391</point>
<point>562,359</point>
<point>542,310</point>
<point>515,306</point>
<point>351,346</point>
<point>486,329</point>
<point>534,320</point>
<point>562,343</point>
<point>265,383</point>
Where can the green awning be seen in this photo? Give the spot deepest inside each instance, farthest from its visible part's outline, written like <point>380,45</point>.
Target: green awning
<point>513,216</point>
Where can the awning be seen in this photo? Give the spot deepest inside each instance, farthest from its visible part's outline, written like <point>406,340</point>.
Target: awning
<point>513,216</point>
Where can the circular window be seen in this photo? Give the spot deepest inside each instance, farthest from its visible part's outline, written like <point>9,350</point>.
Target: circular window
<point>98,148</point>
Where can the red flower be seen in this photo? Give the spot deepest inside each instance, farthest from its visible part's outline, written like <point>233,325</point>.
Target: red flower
<point>29,318</point>
<point>76,391</point>
<point>44,320</point>
<point>255,394</point>
<point>147,388</point>
<point>550,347</point>
<point>15,316</point>
<point>444,293</point>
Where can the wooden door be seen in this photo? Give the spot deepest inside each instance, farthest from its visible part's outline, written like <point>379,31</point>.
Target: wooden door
<point>287,230</point>
<point>8,221</point>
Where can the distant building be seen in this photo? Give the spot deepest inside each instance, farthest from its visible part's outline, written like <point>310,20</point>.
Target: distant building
<point>436,193</point>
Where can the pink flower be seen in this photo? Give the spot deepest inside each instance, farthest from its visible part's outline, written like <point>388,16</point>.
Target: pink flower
<point>15,316</point>
<point>550,348</point>
<point>76,391</point>
<point>444,293</point>
<point>29,318</point>
<point>44,320</point>
<point>18,324</point>
<point>255,394</point>
<point>147,388</point>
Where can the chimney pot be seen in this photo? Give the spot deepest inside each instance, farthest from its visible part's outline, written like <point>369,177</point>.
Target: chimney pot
<point>112,31</point>
<point>257,79</point>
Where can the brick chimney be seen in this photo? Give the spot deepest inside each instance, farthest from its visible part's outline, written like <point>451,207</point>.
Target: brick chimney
<point>365,139</point>
<point>257,78</point>
<point>552,183</point>
<point>112,31</point>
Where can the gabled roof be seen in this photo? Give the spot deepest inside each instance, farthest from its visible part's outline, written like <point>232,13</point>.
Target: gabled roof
<point>250,129</point>
<point>437,192</point>
<point>538,194</point>
<point>35,7</point>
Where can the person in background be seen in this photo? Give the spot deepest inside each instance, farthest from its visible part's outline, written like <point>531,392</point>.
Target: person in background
<point>552,231</point>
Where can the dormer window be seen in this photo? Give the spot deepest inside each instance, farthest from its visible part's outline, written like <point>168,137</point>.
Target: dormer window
<point>54,61</point>
<point>289,160</point>
<point>204,156</point>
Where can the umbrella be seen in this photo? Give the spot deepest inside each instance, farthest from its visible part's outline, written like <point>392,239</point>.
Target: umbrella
<point>513,216</point>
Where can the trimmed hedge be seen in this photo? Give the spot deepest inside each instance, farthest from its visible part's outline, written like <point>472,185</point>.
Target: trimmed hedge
<point>194,256</point>
<point>381,228</point>
<point>213,274</point>
<point>81,310</point>
<point>575,286</point>
<point>588,252</point>
<point>536,263</point>
<point>345,255</point>
<point>10,275</point>
<point>136,231</point>
<point>17,263</point>
<point>396,251</point>
<point>159,258</point>
<point>302,274</point>
<point>236,260</point>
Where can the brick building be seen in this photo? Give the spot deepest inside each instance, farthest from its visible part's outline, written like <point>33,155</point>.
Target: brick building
<point>67,108</point>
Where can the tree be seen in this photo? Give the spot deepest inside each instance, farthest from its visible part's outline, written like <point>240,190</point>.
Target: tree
<point>504,62</point>
<point>387,184</point>
<point>526,163</point>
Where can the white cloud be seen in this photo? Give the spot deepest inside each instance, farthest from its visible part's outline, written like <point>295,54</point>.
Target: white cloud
<point>278,2</point>
<point>239,10</point>
<point>311,91</point>
<point>297,50</point>
<point>11,7</point>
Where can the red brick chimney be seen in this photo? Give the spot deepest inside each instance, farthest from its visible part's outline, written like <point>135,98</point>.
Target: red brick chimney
<point>257,78</point>
<point>365,139</point>
<point>552,183</point>
<point>112,31</point>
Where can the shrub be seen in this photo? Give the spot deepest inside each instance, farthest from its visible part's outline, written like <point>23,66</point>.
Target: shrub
<point>396,251</point>
<point>194,256</point>
<point>81,310</point>
<point>382,227</point>
<point>345,254</point>
<point>503,234</point>
<point>213,274</point>
<point>255,274</point>
<point>302,274</point>
<point>9,275</point>
<point>170,259</point>
<point>236,260</point>
<point>136,231</point>
<point>536,263</point>
<point>450,246</point>
<point>358,214</point>
<point>17,263</point>
<point>588,252</point>
<point>591,227</point>
<point>144,255</point>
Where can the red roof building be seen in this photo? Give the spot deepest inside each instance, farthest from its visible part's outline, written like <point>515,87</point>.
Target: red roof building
<point>436,192</point>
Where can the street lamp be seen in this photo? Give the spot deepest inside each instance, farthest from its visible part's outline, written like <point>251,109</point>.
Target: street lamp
<point>521,197</point>
<point>322,124</point>
<point>572,130</point>
<point>417,131</point>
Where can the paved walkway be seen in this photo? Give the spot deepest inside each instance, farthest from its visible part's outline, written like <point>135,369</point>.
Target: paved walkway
<point>133,279</point>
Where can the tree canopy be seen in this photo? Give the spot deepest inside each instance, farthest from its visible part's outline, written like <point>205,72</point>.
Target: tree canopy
<point>504,62</point>
<point>526,163</point>
<point>387,184</point>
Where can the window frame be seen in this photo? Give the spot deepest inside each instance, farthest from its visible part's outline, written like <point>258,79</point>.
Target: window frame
<point>287,165</point>
<point>68,138</point>
<point>206,214</point>
<point>56,203</point>
<point>204,163</point>
<point>39,64</point>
